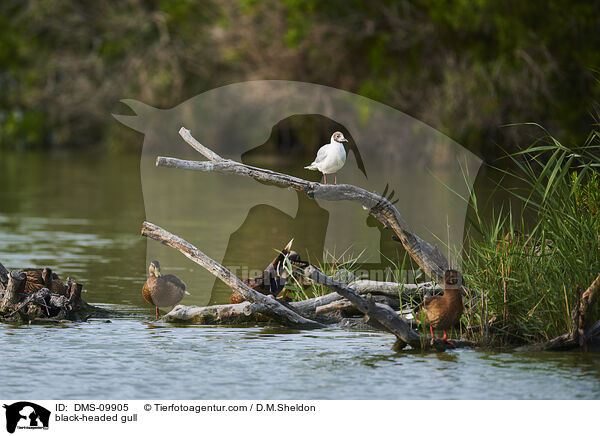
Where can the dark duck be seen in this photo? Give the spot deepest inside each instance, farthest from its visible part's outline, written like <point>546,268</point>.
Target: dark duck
<point>273,278</point>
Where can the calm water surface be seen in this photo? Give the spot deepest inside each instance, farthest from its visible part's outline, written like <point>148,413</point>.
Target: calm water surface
<point>82,217</point>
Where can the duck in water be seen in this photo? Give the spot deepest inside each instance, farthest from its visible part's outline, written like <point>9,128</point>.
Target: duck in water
<point>162,290</point>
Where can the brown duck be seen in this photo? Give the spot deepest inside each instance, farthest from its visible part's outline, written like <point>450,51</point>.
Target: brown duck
<point>162,290</point>
<point>444,311</point>
<point>43,278</point>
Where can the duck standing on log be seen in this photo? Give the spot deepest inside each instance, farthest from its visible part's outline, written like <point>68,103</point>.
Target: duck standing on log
<point>162,290</point>
<point>444,311</point>
<point>331,157</point>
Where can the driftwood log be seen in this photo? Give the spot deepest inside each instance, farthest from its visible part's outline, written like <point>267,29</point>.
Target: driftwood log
<point>583,333</point>
<point>323,309</point>
<point>16,304</point>
<point>227,314</point>
<point>379,315</point>
<point>345,309</point>
<point>427,256</point>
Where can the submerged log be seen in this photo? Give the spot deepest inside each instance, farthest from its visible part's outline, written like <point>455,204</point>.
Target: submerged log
<point>321,309</point>
<point>43,305</point>
<point>427,256</point>
<point>331,308</point>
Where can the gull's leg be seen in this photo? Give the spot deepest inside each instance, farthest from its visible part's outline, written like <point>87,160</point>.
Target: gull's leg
<point>335,178</point>
<point>325,178</point>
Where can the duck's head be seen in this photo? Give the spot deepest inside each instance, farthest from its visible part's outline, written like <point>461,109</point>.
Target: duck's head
<point>154,269</point>
<point>452,279</point>
<point>338,137</point>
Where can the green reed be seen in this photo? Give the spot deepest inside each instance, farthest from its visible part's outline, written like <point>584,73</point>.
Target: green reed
<point>523,271</point>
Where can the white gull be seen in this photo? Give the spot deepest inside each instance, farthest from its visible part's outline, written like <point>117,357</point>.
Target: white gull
<point>331,157</point>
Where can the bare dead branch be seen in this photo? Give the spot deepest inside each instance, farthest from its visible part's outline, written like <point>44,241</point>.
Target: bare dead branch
<point>427,256</point>
<point>277,311</point>
<point>394,289</point>
<point>206,152</point>
<point>380,315</point>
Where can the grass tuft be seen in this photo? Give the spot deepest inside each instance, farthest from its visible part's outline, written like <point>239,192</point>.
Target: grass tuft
<point>523,271</point>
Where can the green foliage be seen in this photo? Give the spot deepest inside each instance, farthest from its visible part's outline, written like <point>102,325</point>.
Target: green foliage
<point>465,67</point>
<point>64,65</point>
<point>523,285</point>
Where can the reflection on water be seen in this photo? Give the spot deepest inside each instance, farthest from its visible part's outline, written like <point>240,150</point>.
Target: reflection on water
<point>82,217</point>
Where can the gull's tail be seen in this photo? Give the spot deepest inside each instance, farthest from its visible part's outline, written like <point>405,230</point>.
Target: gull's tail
<point>311,167</point>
